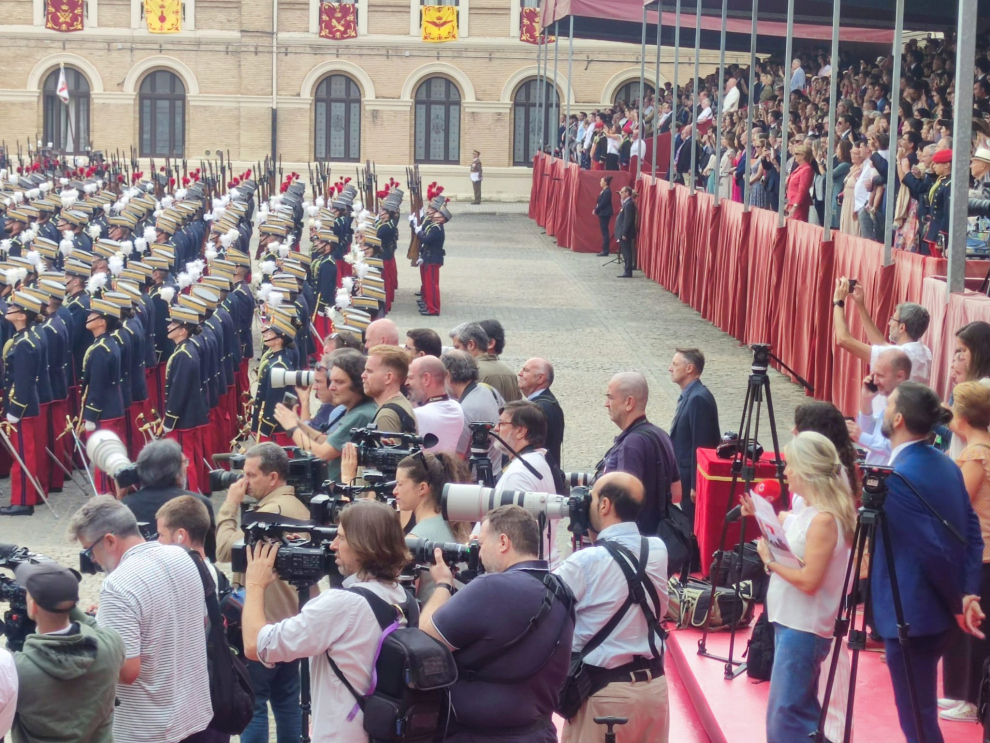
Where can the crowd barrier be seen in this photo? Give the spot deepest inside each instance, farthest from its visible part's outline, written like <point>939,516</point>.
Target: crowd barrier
<point>758,282</point>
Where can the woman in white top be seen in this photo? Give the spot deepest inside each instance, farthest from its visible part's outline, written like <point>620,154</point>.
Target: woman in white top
<point>802,601</point>
<point>613,144</point>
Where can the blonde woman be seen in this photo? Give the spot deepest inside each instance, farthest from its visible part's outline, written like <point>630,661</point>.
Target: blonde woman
<point>802,601</point>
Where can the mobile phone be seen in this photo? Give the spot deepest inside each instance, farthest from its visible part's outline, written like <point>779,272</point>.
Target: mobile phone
<point>871,386</point>
<point>290,400</point>
<point>852,285</point>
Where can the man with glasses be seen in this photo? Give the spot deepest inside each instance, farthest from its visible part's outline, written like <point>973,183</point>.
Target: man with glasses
<point>154,599</point>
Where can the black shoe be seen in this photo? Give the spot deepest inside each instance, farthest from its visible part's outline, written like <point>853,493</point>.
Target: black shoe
<point>54,490</point>
<point>425,311</point>
<point>602,255</point>
<point>17,511</point>
<point>624,276</point>
<point>419,294</point>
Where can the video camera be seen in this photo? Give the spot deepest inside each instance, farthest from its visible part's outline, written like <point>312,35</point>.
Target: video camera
<point>109,454</point>
<point>473,502</point>
<point>875,485</point>
<point>464,559</point>
<point>325,508</point>
<point>307,473</point>
<point>16,623</point>
<point>479,436</point>
<point>301,561</point>
<point>374,455</point>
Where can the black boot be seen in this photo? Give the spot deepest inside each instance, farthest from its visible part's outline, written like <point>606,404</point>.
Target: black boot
<point>17,511</point>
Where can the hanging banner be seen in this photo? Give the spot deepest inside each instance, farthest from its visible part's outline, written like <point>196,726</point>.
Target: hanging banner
<point>64,15</point>
<point>338,21</point>
<point>439,23</point>
<point>530,30</point>
<point>163,16</point>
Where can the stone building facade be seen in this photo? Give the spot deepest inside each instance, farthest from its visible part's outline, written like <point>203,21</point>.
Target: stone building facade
<point>385,95</point>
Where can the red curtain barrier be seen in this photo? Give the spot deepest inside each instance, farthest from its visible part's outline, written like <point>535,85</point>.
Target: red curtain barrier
<point>731,277</point>
<point>766,243</point>
<point>585,232</point>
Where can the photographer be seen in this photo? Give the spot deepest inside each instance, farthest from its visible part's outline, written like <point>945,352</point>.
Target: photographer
<point>346,389</point>
<point>266,468</point>
<point>510,667</point>
<point>154,599</point>
<point>384,374</point>
<point>371,552</point>
<point>68,668</point>
<point>626,665</point>
<point>162,467</point>
<point>479,402</point>
<point>938,577</point>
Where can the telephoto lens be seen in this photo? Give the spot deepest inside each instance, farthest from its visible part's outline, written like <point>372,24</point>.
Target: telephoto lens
<point>473,502</point>
<point>222,480</point>
<point>577,479</point>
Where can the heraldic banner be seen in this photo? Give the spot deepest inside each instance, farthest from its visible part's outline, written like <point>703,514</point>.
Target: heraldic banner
<point>529,27</point>
<point>64,15</point>
<point>439,23</point>
<point>338,21</point>
<point>163,16</point>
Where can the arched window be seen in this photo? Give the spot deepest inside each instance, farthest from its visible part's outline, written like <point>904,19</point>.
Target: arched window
<point>526,120</point>
<point>338,119</point>
<point>438,122</point>
<point>162,98</point>
<point>630,92</point>
<point>67,124</point>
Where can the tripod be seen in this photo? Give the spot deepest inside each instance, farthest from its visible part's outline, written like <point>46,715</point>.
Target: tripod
<point>872,517</point>
<point>481,463</point>
<point>305,699</point>
<point>743,466</point>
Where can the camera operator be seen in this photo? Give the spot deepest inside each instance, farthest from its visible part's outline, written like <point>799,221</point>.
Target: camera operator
<point>266,467</point>
<point>510,667</point>
<point>346,389</point>
<point>67,670</point>
<point>626,665</point>
<point>938,577</point>
<point>162,467</point>
<point>385,372</point>
<point>154,599</point>
<point>479,402</point>
<point>371,551</point>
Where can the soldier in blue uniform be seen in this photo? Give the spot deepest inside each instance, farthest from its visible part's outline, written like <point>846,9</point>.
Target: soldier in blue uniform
<point>185,415</point>
<point>75,221</point>
<point>431,253</point>
<point>388,234</point>
<point>80,338</point>
<point>56,328</point>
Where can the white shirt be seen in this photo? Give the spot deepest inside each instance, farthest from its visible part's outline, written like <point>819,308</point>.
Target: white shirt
<point>588,136</point>
<point>516,476</point>
<point>343,624</point>
<point>731,102</point>
<point>705,115</point>
<point>637,148</point>
<point>445,420</point>
<point>600,587</point>
<point>155,601</point>
<point>612,146</point>
<point>901,447</point>
<point>798,79</point>
<point>872,439</point>
<point>862,196</point>
<point>918,352</point>
<point>8,691</point>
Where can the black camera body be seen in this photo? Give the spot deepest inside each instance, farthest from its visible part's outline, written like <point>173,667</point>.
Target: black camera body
<point>761,356</point>
<point>373,454</point>
<point>464,559</point>
<point>127,477</point>
<point>479,436</point>
<point>16,623</point>
<point>301,561</point>
<point>307,473</point>
<point>875,486</point>
<point>579,511</point>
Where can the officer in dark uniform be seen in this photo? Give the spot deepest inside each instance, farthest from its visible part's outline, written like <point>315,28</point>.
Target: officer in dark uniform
<point>324,272</point>
<point>136,338</point>
<point>185,413</point>
<point>42,466</point>
<point>388,234</point>
<point>46,222</point>
<point>80,338</point>
<point>162,293</point>
<point>936,229</point>
<point>342,229</point>
<point>242,310</point>
<point>278,334</point>
<point>56,328</point>
<point>431,252</point>
<point>18,221</point>
<point>74,221</point>
<point>232,355</point>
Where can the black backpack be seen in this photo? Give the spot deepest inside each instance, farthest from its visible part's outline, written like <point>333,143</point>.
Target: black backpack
<point>759,650</point>
<point>230,686</point>
<point>409,696</point>
<point>752,570</point>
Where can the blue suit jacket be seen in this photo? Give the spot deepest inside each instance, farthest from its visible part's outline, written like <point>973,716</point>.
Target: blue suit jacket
<point>934,571</point>
<point>695,425</point>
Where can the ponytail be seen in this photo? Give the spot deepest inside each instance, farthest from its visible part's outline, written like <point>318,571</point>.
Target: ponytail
<point>436,470</point>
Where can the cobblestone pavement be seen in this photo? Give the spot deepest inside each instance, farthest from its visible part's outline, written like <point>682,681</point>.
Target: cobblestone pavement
<point>553,303</point>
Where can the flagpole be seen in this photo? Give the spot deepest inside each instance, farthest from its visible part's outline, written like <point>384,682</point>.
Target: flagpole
<point>68,114</point>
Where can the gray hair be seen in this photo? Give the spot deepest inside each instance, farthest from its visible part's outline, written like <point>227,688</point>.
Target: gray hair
<point>159,465</point>
<point>915,319</point>
<point>100,516</point>
<point>460,365</point>
<point>471,331</point>
<point>273,459</point>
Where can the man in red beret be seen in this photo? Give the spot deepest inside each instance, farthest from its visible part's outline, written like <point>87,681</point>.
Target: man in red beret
<point>935,232</point>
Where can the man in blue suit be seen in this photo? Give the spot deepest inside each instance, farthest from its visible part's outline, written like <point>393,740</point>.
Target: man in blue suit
<point>938,576</point>
<point>695,421</point>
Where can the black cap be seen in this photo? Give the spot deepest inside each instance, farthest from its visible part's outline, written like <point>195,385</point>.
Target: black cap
<point>51,585</point>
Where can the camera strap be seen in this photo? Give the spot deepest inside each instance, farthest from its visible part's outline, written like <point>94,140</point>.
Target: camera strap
<point>641,589</point>
<point>406,421</point>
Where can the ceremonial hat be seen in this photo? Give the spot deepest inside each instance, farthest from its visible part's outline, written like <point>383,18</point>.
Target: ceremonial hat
<point>18,215</point>
<point>294,268</point>
<point>22,263</point>
<point>32,211</point>
<point>281,323</point>
<point>221,283</point>
<point>438,202</point>
<point>184,315</point>
<point>220,267</point>
<point>356,319</point>
<point>376,263</point>
<point>285,283</point>
<point>193,303</point>
<point>105,308</point>
<point>305,258</point>
<point>125,219</point>
<point>46,205</point>
<point>164,250</point>
<point>52,287</point>
<point>121,299</point>
<point>942,157</point>
<point>106,248</point>
<point>238,208</point>
<point>373,292</point>
<point>25,300</point>
<point>274,227</point>
<point>238,258</point>
<point>167,223</point>
<point>392,202</point>
<point>74,217</point>
<point>207,295</point>
<point>158,263</point>
<point>141,267</point>
<point>327,235</point>
<point>131,290</point>
<point>368,302</point>
<point>75,267</point>
<point>46,247</point>
<point>129,274</point>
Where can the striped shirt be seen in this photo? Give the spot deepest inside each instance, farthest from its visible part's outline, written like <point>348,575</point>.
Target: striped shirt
<point>154,600</point>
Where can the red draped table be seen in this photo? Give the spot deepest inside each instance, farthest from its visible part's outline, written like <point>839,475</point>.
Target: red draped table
<point>712,498</point>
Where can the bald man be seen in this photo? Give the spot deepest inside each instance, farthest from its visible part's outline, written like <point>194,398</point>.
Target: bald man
<point>642,449</point>
<point>626,669</point>
<point>381,333</point>
<point>892,367</point>
<point>435,412</point>
<point>535,379</point>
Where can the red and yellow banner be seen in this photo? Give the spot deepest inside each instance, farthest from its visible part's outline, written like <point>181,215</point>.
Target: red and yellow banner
<point>64,15</point>
<point>529,27</point>
<point>338,21</point>
<point>439,23</point>
<point>163,16</point>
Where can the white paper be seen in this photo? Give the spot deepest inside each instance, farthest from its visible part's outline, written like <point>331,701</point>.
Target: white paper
<point>773,532</point>
<point>475,177</point>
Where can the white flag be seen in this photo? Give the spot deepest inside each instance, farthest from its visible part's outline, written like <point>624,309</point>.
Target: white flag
<point>62,91</point>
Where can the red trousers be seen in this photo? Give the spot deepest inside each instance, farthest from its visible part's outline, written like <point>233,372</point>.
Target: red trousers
<point>390,274</point>
<point>156,394</point>
<point>343,269</point>
<point>279,437</point>
<point>135,439</point>
<point>42,465</point>
<point>192,449</point>
<point>24,440</point>
<point>431,288</point>
<point>242,383</point>
<point>61,447</point>
<point>422,280</point>
<point>105,483</point>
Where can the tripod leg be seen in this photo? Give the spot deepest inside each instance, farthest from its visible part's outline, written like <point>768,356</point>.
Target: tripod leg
<point>902,630</point>
<point>779,460</point>
<point>305,703</point>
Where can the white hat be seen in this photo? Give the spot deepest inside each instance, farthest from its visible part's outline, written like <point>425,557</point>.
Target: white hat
<point>982,153</point>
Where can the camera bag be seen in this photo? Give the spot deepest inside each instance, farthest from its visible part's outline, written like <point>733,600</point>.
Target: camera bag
<point>689,604</point>
<point>752,570</point>
<point>408,699</point>
<point>760,649</point>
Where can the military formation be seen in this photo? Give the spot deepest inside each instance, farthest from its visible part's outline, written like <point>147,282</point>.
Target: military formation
<point>131,306</point>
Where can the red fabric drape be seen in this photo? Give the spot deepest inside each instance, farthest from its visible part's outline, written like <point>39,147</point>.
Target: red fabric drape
<point>765,258</point>
<point>546,188</point>
<point>534,187</point>
<point>682,240</point>
<point>565,204</point>
<point>644,190</point>
<point>582,187</point>
<point>663,231</point>
<point>555,187</point>
<point>704,240</point>
<point>940,336</point>
<point>730,279</point>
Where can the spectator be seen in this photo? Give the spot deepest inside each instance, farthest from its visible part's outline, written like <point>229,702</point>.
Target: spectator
<point>626,668</point>
<point>962,668</point>
<point>798,78</point>
<point>371,551</point>
<point>8,690</point>
<point>848,219</point>
<point>802,600</point>
<point>384,374</point>
<point>436,412</point>
<point>729,152</point>
<point>185,521</point>
<point>471,337</point>
<point>799,185</point>
<point>892,368</point>
<point>153,598</point>
<point>266,468</point>
<point>904,331</point>
<point>826,419</point>
<point>508,693</point>
<point>535,379</point>
<point>842,168</point>
<point>496,336</point>
<point>603,210</point>
<point>626,230</point>
<point>695,422</point>
<point>423,342</point>
<point>642,449</point>
<point>381,333</point>
<point>523,427</point>
<point>479,402</point>
<point>67,671</point>
<point>730,104</point>
<point>970,363</point>
<point>939,577</point>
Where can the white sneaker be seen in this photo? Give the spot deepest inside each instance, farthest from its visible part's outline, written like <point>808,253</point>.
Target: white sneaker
<point>963,712</point>
<point>948,703</point>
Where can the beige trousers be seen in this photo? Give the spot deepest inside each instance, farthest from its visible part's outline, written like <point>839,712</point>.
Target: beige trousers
<point>644,703</point>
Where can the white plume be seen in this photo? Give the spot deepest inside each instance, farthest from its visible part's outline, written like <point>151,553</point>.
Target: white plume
<point>149,187</point>
<point>33,193</point>
<point>94,231</point>
<point>45,187</point>
<point>167,294</point>
<point>140,244</point>
<point>268,268</point>
<point>183,280</point>
<point>343,298</point>
<point>211,251</point>
<point>273,246</point>
<point>167,201</point>
<point>180,194</point>
<point>96,282</point>
<point>68,197</point>
<point>18,196</point>
<point>116,264</point>
<point>63,181</point>
<point>361,269</point>
<point>89,188</point>
<point>150,234</point>
<point>29,234</point>
<point>283,250</point>
<point>5,245</point>
<point>107,207</point>
<point>157,213</point>
<point>226,240</point>
<point>318,224</point>
<point>126,247</point>
<point>320,201</point>
<point>263,291</point>
<point>312,211</point>
<point>347,283</point>
<point>34,258</point>
<point>99,183</point>
<point>65,247</point>
<point>275,299</point>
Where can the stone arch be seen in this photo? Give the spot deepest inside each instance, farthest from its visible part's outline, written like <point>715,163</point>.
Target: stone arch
<point>343,67</point>
<point>36,78</point>
<point>628,75</point>
<point>159,62</point>
<point>529,73</point>
<point>441,69</point>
